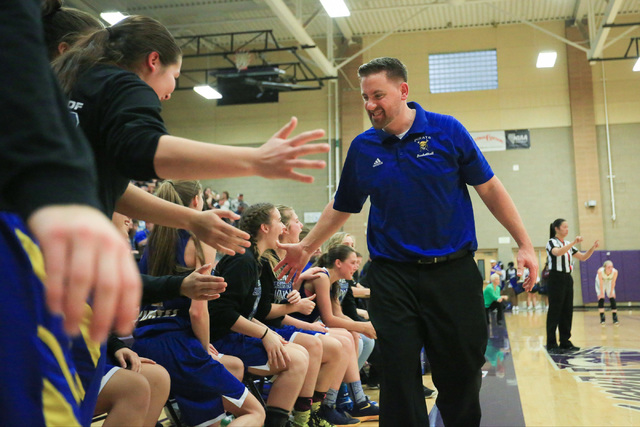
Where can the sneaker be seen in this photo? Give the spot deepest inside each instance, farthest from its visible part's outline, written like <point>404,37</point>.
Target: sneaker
<point>568,347</point>
<point>301,418</point>
<point>327,416</point>
<point>615,319</point>
<point>429,393</point>
<point>344,402</point>
<point>365,411</point>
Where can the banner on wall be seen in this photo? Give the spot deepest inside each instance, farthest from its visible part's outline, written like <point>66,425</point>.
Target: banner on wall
<point>501,140</point>
<point>518,138</point>
<point>490,141</point>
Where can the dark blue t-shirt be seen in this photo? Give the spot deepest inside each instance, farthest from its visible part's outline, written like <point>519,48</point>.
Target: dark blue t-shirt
<point>420,205</point>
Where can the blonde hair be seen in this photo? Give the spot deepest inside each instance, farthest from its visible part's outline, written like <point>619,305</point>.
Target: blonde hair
<point>607,262</point>
<point>335,240</point>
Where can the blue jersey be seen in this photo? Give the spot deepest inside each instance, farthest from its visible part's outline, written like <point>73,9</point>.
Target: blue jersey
<point>172,315</point>
<point>315,314</point>
<point>430,167</point>
<point>342,288</point>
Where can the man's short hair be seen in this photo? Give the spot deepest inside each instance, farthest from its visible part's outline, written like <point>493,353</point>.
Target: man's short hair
<point>392,66</point>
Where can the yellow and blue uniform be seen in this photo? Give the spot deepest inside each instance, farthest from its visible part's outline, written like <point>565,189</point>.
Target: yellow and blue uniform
<point>40,385</point>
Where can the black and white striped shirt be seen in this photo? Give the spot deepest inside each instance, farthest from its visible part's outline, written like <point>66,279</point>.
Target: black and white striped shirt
<point>562,263</point>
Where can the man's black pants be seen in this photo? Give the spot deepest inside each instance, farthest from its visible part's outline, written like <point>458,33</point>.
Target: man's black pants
<point>560,314</point>
<point>440,306</point>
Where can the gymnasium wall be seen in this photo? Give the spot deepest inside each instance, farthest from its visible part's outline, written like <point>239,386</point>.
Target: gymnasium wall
<point>528,98</point>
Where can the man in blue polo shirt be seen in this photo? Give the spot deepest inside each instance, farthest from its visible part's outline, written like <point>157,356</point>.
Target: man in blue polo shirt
<point>425,286</point>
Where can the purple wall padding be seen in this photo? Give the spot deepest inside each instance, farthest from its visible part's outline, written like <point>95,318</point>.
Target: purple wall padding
<point>628,284</point>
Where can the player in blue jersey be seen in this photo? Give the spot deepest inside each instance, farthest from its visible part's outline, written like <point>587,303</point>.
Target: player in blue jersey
<point>175,333</point>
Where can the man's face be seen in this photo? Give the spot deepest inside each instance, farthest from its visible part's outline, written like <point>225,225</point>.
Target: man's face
<point>383,98</point>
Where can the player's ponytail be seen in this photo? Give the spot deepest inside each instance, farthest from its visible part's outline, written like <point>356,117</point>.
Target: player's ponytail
<point>552,227</point>
<point>163,240</point>
<point>125,44</point>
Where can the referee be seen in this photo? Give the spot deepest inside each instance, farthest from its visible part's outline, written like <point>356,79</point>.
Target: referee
<point>560,285</point>
<point>425,286</point>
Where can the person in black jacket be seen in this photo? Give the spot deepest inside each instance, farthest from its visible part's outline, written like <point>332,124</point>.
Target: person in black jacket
<point>235,329</point>
<point>48,195</point>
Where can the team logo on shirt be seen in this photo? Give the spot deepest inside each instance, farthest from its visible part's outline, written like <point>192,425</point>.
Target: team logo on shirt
<point>423,143</point>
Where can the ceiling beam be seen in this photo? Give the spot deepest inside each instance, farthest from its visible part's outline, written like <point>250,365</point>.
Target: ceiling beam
<point>539,28</point>
<point>610,13</point>
<point>344,28</point>
<point>295,28</point>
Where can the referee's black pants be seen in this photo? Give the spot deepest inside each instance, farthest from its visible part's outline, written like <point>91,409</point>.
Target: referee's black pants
<point>440,306</point>
<point>560,314</point>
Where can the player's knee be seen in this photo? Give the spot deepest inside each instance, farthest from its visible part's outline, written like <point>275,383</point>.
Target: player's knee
<point>158,379</point>
<point>299,359</point>
<point>233,365</point>
<point>601,303</point>
<point>613,303</point>
<point>331,347</point>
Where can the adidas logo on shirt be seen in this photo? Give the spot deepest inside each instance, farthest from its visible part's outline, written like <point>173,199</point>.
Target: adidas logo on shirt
<point>377,163</point>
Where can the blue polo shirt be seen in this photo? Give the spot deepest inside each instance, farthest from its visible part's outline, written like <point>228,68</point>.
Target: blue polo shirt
<point>420,205</point>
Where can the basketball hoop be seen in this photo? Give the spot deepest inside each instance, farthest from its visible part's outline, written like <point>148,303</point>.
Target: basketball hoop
<point>242,59</point>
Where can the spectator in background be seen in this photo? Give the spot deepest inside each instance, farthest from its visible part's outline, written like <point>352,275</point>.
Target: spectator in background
<point>209,199</point>
<point>142,236</point>
<point>511,284</point>
<point>223,202</point>
<point>241,205</point>
<point>493,300</point>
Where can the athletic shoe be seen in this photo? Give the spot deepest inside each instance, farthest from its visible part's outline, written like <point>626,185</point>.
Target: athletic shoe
<point>429,393</point>
<point>328,416</point>
<point>615,319</point>
<point>569,347</point>
<point>365,411</point>
<point>301,418</point>
<point>344,402</point>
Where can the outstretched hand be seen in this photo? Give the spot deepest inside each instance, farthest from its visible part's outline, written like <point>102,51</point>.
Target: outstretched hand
<point>279,155</point>
<point>201,285</point>
<point>527,259</point>
<point>225,238</point>
<point>294,261</point>
<point>84,254</point>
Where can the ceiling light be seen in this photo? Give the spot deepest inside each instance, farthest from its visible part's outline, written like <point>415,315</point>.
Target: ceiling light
<point>335,8</point>
<point>637,66</point>
<point>112,17</point>
<point>546,59</point>
<point>207,92</point>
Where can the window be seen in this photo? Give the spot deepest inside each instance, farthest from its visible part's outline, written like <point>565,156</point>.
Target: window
<point>462,71</point>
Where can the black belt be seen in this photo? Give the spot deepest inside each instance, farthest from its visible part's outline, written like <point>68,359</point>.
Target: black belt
<point>438,259</point>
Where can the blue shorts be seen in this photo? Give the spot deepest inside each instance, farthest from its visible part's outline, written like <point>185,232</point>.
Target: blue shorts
<point>40,384</point>
<point>289,332</point>
<point>198,381</point>
<point>248,349</point>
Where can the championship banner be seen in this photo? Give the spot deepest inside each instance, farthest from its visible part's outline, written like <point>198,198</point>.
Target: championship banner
<point>490,141</point>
